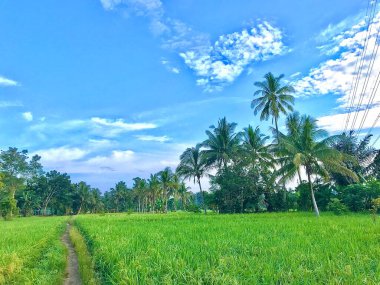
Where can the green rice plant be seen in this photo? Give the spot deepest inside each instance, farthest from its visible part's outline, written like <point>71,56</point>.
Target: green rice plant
<point>31,251</point>
<point>270,248</point>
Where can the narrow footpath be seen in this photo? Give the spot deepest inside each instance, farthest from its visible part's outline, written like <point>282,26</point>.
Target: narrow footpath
<point>72,268</point>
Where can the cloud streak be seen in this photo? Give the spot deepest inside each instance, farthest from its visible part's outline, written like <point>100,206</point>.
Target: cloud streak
<point>7,82</point>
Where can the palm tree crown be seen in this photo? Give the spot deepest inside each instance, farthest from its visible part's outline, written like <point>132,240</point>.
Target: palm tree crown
<point>273,98</point>
<point>221,144</point>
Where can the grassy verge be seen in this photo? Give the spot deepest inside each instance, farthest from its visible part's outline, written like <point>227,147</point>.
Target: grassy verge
<point>86,267</point>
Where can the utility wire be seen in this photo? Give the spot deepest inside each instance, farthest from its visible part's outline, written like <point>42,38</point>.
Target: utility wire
<point>366,79</point>
<point>360,60</point>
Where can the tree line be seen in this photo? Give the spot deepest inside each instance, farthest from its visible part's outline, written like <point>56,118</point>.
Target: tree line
<point>247,169</point>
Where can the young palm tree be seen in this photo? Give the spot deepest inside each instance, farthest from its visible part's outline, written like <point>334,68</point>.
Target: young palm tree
<point>311,150</point>
<point>254,145</point>
<point>273,98</point>
<point>221,144</point>
<point>193,165</point>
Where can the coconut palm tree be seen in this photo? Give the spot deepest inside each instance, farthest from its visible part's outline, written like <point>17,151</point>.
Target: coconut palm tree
<point>221,144</point>
<point>254,145</point>
<point>185,194</point>
<point>165,176</point>
<point>273,99</point>
<point>193,165</point>
<point>154,189</point>
<point>360,149</point>
<point>312,151</point>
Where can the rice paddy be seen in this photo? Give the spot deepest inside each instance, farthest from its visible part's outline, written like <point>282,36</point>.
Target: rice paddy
<point>281,248</point>
<point>31,251</point>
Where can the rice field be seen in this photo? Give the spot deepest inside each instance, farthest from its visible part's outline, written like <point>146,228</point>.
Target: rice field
<point>279,248</point>
<point>31,251</point>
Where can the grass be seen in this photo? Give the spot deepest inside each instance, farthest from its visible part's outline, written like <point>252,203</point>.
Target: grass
<point>31,251</point>
<point>86,267</point>
<point>289,248</point>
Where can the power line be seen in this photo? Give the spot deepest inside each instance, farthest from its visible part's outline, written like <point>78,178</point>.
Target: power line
<point>358,59</point>
<point>370,67</point>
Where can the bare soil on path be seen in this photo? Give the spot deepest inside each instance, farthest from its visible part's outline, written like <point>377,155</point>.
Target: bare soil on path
<point>72,269</point>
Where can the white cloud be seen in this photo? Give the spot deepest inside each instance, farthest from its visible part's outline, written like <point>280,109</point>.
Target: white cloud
<point>28,116</point>
<point>216,65</point>
<point>174,70</point>
<point>111,128</point>
<point>7,82</point>
<point>153,138</point>
<point>221,63</point>
<point>54,156</point>
<point>337,75</point>
<point>337,122</point>
<point>6,104</point>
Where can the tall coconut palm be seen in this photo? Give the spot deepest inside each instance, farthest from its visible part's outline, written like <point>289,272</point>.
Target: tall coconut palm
<point>273,99</point>
<point>312,151</point>
<point>193,165</point>
<point>221,144</point>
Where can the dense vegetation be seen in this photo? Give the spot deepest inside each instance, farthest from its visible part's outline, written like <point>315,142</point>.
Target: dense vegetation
<point>250,171</point>
<point>287,248</point>
<point>31,252</point>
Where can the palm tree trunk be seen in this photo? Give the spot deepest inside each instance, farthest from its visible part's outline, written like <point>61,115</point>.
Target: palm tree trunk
<point>312,195</point>
<point>299,175</point>
<point>203,195</point>
<point>278,142</point>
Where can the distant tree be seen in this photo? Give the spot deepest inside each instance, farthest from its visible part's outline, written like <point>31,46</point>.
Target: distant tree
<point>193,165</point>
<point>54,186</point>
<point>14,169</point>
<point>165,177</point>
<point>349,144</point>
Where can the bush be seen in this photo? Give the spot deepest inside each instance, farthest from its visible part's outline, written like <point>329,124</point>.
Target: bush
<point>336,206</point>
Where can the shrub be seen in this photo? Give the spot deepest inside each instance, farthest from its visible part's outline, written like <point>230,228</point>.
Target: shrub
<point>336,206</point>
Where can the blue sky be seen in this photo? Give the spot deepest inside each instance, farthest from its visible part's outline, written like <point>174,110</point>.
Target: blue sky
<point>112,89</point>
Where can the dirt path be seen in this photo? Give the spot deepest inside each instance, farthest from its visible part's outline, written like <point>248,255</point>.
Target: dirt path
<point>72,269</point>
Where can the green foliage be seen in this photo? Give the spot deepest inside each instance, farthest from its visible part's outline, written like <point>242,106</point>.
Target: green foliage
<point>358,197</point>
<point>336,206</point>
<point>290,248</point>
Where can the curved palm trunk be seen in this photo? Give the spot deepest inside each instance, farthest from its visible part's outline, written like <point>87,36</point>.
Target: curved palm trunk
<point>312,194</point>
<point>203,195</point>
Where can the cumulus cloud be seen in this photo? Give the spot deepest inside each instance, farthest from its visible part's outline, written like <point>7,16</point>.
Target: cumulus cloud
<point>28,116</point>
<point>225,60</point>
<point>52,156</point>
<point>215,64</point>
<point>7,82</point>
<point>338,75</point>
<point>153,138</point>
